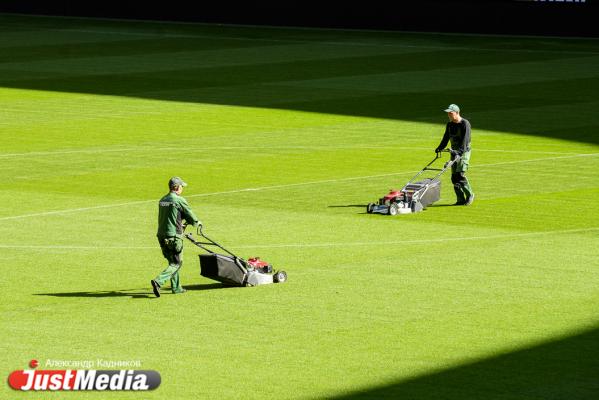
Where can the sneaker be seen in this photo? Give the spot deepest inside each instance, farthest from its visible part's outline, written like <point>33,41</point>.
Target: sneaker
<point>470,200</point>
<point>179,291</point>
<point>459,203</point>
<point>155,287</point>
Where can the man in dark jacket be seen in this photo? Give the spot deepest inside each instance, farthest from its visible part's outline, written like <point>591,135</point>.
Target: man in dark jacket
<point>172,211</point>
<point>457,132</point>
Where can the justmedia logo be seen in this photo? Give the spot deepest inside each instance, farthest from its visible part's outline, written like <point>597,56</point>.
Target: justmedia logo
<point>83,379</point>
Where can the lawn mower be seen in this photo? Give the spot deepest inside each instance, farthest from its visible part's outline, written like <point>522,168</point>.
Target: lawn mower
<point>232,270</point>
<point>414,196</point>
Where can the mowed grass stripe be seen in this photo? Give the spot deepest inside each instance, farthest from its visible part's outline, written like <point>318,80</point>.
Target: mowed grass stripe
<point>30,37</point>
<point>209,53</point>
<point>550,176</point>
<point>344,60</point>
<point>258,147</point>
<point>322,73</point>
<point>105,49</point>
<point>443,78</point>
<point>341,37</point>
<point>307,245</point>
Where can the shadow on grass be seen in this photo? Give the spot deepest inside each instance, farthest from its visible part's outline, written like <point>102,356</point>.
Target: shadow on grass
<point>209,286</point>
<point>564,368</point>
<point>342,83</point>
<point>133,293</point>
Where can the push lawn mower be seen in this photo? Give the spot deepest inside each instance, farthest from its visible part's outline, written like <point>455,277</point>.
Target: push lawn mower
<point>414,196</point>
<point>232,270</point>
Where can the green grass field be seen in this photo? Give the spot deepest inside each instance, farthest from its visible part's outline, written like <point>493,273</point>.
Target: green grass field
<point>284,136</point>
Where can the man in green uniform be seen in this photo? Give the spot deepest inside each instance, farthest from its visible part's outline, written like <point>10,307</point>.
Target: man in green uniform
<point>457,131</point>
<point>172,211</point>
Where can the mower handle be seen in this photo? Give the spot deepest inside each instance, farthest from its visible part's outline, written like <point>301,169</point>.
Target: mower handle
<point>427,168</point>
<point>442,151</point>
<point>438,155</point>
<point>201,245</point>
<point>209,242</point>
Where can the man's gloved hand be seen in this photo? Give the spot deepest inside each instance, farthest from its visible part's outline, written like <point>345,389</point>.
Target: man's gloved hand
<point>455,155</point>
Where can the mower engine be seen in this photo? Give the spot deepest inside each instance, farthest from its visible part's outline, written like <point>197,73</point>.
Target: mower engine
<point>395,202</point>
<point>259,265</point>
<point>260,272</point>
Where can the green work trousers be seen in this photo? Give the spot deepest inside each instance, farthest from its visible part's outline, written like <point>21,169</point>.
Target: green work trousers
<point>461,185</point>
<point>172,249</point>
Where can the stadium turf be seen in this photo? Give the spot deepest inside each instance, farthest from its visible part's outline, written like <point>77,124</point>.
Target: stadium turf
<point>284,136</point>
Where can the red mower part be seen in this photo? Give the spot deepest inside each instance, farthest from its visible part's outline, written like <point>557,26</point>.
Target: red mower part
<point>256,262</point>
<point>393,195</point>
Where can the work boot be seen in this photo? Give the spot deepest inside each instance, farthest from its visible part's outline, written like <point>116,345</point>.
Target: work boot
<point>155,288</point>
<point>470,200</point>
<point>461,199</point>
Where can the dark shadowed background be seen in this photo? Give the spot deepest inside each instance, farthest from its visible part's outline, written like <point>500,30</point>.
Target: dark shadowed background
<point>562,18</point>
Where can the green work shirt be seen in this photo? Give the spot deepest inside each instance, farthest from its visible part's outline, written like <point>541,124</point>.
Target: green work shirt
<point>172,210</point>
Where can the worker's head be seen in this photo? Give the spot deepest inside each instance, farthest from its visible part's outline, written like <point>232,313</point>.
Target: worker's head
<point>453,113</point>
<point>176,184</point>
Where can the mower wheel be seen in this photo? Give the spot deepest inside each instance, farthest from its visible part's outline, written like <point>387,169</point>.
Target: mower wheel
<point>370,208</point>
<point>393,209</point>
<point>280,277</point>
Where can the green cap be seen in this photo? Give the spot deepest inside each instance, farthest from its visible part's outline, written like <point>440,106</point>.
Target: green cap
<point>176,181</point>
<point>453,107</point>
